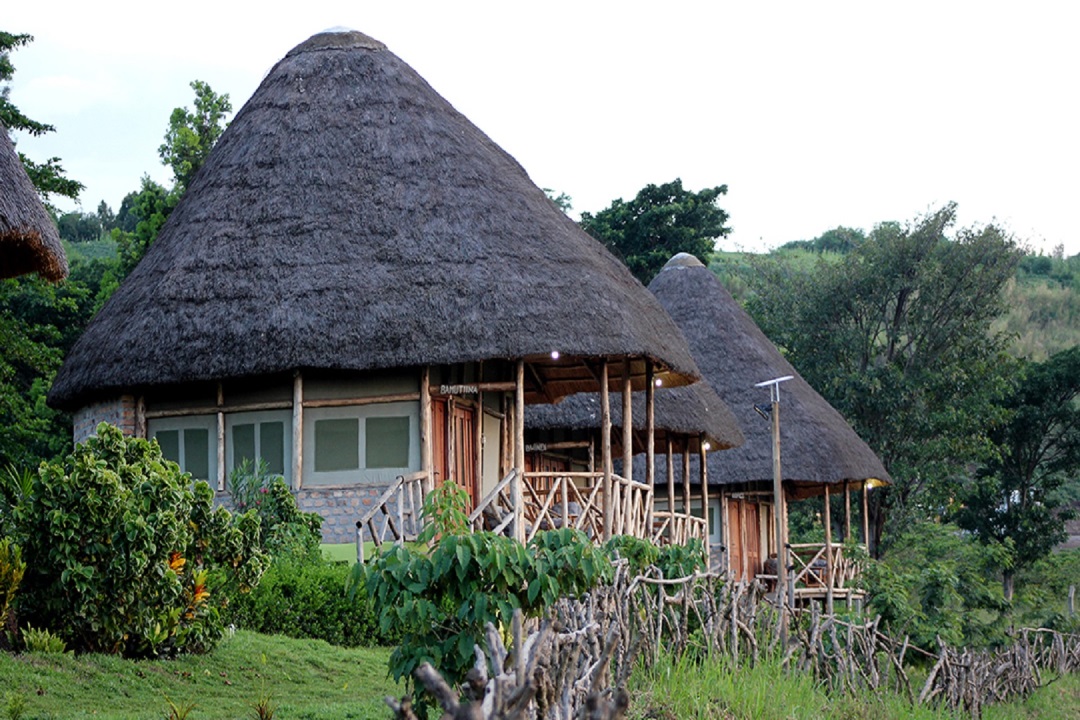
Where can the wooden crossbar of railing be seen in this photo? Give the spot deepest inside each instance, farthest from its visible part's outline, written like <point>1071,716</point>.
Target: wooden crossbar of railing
<point>811,569</point>
<point>402,522</point>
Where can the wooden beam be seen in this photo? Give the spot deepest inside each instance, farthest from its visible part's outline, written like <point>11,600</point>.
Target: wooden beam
<point>220,439</point>
<point>847,511</point>
<point>628,445</point>
<point>828,553</point>
<point>671,485</point>
<point>298,430</point>
<point>605,449</point>
<point>705,498</point>
<point>650,445</point>
<point>372,400</point>
<point>427,464</point>
<point>519,453</point>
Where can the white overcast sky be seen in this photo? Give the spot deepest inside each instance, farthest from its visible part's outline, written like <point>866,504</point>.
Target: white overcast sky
<point>815,114</point>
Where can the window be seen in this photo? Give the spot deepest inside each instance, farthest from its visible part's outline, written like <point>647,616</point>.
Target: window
<point>361,444</point>
<point>259,435</point>
<point>189,442</point>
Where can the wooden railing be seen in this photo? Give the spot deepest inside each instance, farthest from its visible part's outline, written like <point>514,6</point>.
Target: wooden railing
<point>402,522</point>
<point>495,511</point>
<point>810,568</point>
<point>676,528</point>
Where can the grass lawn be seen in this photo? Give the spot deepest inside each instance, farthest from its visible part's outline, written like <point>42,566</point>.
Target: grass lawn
<point>306,679</point>
<point>346,552</point>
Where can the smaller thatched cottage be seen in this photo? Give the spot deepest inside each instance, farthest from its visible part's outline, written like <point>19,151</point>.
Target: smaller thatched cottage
<point>821,453</point>
<point>363,290</point>
<point>561,442</point>
<point>29,241</point>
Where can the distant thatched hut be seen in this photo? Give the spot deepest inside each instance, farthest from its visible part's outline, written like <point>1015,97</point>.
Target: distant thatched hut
<point>692,419</point>
<point>820,451</point>
<point>359,286</point>
<point>29,241</point>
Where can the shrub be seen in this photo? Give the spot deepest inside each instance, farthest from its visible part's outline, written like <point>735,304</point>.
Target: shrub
<point>285,529</point>
<point>12,569</point>
<point>42,641</point>
<point>125,555</point>
<point>309,600</point>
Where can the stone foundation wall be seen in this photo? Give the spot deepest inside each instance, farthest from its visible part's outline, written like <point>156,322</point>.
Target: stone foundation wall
<point>340,508</point>
<point>118,411</point>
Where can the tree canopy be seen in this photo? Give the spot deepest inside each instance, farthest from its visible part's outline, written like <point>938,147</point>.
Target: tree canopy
<point>659,222</point>
<point>193,133</point>
<point>896,334</point>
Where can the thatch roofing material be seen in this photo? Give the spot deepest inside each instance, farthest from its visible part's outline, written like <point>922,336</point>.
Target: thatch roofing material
<point>351,218</point>
<point>683,413</point>
<point>817,444</point>
<point>29,241</point>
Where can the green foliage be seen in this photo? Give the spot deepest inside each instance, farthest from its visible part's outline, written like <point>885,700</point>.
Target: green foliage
<point>896,335</point>
<point>192,134</point>
<point>444,512</point>
<point>14,705</point>
<point>1013,497</point>
<point>79,227</point>
<point>934,581</point>
<point>150,209</point>
<point>286,531</point>
<point>125,556</point>
<point>306,599</point>
<point>47,177</point>
<point>42,641</point>
<point>441,602</point>
<point>659,222</point>
<point>639,553</point>
<point>178,711</point>
<point>838,240</point>
<point>12,569</point>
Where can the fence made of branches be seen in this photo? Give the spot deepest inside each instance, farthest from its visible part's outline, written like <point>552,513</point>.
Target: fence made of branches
<point>574,663</point>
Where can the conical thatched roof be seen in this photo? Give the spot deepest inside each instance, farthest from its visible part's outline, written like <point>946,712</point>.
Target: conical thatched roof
<point>29,241</point>
<point>817,444</point>
<point>683,412</point>
<point>350,218</point>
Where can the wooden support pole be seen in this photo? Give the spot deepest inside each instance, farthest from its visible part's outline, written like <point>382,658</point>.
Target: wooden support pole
<point>519,453</point>
<point>866,516</point>
<point>828,553</point>
<point>298,431</point>
<point>650,447</point>
<point>705,498</point>
<point>627,524</point>
<point>220,439</point>
<point>847,511</point>
<point>605,449</point>
<point>687,512</point>
<point>781,521</point>
<point>671,491</point>
<point>477,490</point>
<point>427,431</point>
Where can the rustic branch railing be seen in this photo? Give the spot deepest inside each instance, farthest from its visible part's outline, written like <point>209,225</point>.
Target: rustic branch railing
<point>676,528</point>
<point>402,522</point>
<point>495,511</point>
<point>810,568</point>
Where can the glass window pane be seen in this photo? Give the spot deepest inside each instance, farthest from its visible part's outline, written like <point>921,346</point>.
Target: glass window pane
<point>243,438</point>
<point>387,442</point>
<point>272,446</point>
<point>197,453</point>
<point>337,445</point>
<point>169,440</point>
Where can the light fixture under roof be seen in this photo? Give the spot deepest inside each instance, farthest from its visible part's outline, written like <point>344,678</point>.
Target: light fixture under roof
<point>554,354</point>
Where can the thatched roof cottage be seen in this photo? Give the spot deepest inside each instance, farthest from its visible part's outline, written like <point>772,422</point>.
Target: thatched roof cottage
<point>361,288</point>
<point>29,241</point>
<point>821,453</point>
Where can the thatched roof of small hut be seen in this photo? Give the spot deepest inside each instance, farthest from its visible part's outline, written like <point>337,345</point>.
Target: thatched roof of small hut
<point>682,414</point>
<point>29,241</point>
<point>817,445</point>
<point>350,219</point>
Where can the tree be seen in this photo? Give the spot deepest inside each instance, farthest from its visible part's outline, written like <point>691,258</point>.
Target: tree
<point>661,221</point>
<point>896,335</point>
<point>1013,501</point>
<point>150,209</point>
<point>47,177</point>
<point>562,201</point>
<point>191,135</point>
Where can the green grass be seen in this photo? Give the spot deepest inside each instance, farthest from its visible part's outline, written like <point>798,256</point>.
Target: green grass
<point>685,690</point>
<point>346,552</point>
<point>306,679</point>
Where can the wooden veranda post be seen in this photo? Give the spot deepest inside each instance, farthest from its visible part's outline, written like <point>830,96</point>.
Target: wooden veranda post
<point>703,448</point>
<point>650,446</point>
<point>519,453</point>
<point>426,430</point>
<point>221,438</point>
<point>866,515</point>
<point>671,490</point>
<point>687,513</point>
<point>298,430</point>
<point>828,553</point>
<point>605,447</point>
<point>847,511</point>
<point>627,497</point>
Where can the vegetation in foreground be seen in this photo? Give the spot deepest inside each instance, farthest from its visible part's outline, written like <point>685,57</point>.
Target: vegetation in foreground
<point>307,679</point>
<point>687,689</point>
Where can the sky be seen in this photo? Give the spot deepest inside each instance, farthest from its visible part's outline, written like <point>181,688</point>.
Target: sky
<point>814,114</point>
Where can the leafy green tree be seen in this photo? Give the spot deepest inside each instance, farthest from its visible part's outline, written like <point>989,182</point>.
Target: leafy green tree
<point>562,201</point>
<point>660,221</point>
<point>192,134</point>
<point>48,177</point>
<point>151,208</point>
<point>896,334</point>
<point>1013,500</point>
<point>79,227</point>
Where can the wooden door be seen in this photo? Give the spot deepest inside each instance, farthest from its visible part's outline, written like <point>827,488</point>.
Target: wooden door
<point>463,444</point>
<point>440,431</point>
<point>752,548</point>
